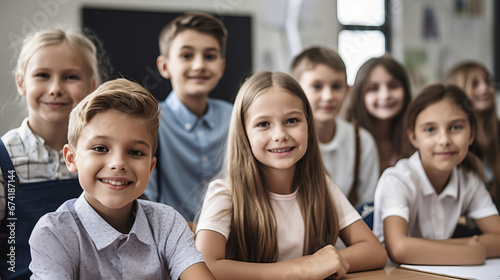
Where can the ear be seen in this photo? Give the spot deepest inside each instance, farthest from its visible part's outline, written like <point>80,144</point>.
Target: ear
<point>19,85</point>
<point>161,63</point>
<point>153,164</point>
<point>70,158</point>
<point>412,137</point>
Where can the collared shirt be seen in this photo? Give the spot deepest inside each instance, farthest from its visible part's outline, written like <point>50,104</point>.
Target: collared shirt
<point>216,215</point>
<point>75,242</point>
<point>190,153</point>
<point>32,159</point>
<point>405,191</point>
<point>338,157</point>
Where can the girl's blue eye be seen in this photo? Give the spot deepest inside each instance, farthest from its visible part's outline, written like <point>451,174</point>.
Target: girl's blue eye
<point>429,129</point>
<point>100,149</point>
<point>456,127</point>
<point>186,56</point>
<point>292,120</point>
<point>316,87</point>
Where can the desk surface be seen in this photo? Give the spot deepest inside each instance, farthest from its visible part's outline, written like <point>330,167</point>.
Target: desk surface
<point>395,273</point>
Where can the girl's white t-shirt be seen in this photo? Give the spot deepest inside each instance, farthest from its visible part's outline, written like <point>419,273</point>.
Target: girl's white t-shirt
<point>216,216</point>
<point>405,191</point>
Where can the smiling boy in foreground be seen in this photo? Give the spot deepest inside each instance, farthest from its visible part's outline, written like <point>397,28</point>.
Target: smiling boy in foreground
<point>107,233</point>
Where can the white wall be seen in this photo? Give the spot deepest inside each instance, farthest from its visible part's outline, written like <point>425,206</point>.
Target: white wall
<point>460,37</point>
<point>318,26</point>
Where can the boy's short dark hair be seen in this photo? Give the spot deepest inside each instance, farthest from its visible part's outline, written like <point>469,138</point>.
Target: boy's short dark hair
<point>312,57</point>
<point>203,23</point>
<point>123,96</point>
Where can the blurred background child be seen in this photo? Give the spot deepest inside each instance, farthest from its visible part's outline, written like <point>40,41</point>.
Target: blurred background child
<point>378,100</point>
<point>55,70</point>
<point>475,80</point>
<point>193,127</point>
<point>348,151</point>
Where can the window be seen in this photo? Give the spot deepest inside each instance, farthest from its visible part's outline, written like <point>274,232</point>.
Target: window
<point>364,34</point>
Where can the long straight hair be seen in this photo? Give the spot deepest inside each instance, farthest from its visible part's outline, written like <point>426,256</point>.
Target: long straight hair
<point>253,236</point>
<point>459,75</point>
<point>434,93</point>
<point>357,109</point>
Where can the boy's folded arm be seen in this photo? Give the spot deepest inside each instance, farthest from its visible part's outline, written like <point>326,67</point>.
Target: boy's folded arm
<point>411,250</point>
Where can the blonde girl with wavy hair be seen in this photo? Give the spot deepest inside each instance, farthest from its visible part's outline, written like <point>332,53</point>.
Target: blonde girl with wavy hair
<point>475,79</point>
<point>276,213</point>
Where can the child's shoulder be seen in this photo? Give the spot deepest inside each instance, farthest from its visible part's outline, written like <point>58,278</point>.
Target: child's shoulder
<point>220,185</point>
<point>17,136</point>
<point>346,129</point>
<point>63,218</point>
<point>407,170</point>
<point>158,214</point>
<point>469,180</point>
<point>222,107</point>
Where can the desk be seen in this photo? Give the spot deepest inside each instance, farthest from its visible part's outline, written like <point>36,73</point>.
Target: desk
<point>394,273</point>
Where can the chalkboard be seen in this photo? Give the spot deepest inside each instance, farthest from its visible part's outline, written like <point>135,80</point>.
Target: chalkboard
<point>130,41</point>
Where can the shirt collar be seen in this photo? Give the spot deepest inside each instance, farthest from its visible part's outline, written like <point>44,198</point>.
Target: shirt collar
<point>29,138</point>
<point>336,142</point>
<point>451,189</point>
<point>186,117</point>
<point>453,185</point>
<point>102,233</point>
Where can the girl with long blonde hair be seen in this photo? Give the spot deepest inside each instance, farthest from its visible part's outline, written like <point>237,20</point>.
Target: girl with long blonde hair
<point>276,213</point>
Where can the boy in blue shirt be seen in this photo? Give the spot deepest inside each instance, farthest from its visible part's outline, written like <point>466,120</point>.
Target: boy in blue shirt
<point>193,127</point>
<point>107,233</point>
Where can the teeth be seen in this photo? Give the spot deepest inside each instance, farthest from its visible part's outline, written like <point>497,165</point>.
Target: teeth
<point>280,151</point>
<point>116,183</point>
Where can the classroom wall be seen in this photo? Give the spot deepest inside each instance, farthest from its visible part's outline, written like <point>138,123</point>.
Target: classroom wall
<point>451,34</point>
<point>317,26</point>
<point>19,17</point>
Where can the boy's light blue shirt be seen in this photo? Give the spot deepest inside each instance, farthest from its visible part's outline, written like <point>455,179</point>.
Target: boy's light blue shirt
<point>75,242</point>
<point>190,153</point>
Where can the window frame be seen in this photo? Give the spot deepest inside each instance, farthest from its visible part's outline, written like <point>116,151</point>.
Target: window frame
<point>384,28</point>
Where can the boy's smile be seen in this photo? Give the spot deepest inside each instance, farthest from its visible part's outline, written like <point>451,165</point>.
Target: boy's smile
<point>114,160</point>
<point>194,64</point>
<point>326,90</point>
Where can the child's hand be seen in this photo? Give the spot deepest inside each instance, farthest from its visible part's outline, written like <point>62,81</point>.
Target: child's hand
<point>325,263</point>
<point>478,249</point>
